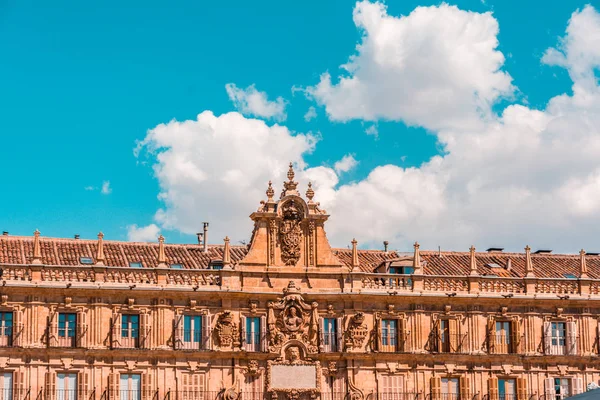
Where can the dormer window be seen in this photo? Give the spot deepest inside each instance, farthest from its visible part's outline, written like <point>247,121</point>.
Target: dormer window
<point>402,270</point>
<point>86,260</point>
<point>137,264</point>
<point>216,265</point>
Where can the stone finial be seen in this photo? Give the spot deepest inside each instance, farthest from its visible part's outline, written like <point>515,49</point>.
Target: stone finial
<point>226,253</point>
<point>473,261</point>
<point>582,265</point>
<point>270,192</point>
<point>162,259</point>
<point>416,259</point>
<point>37,250</point>
<point>355,261</point>
<point>310,193</point>
<point>291,174</point>
<point>289,187</point>
<point>100,251</point>
<point>528,264</point>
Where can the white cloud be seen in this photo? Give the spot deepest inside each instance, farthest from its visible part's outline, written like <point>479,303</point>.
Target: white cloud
<point>372,130</point>
<point>250,101</point>
<point>147,233</point>
<point>437,67</point>
<point>526,176</point>
<point>310,114</point>
<point>106,189</point>
<point>89,188</point>
<point>345,164</point>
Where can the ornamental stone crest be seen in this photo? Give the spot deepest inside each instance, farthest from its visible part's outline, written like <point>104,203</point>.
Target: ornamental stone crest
<point>226,330</point>
<point>291,232</point>
<point>357,331</point>
<point>291,318</point>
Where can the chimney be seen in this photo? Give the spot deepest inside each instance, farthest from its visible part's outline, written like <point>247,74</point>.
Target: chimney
<point>76,236</point>
<point>205,237</point>
<point>4,233</point>
<point>385,245</point>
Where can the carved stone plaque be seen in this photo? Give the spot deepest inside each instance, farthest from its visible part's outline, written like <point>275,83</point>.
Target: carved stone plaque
<point>293,377</point>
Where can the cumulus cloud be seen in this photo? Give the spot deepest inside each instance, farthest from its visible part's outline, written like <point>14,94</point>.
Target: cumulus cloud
<point>310,114</point>
<point>524,176</point>
<point>147,233</point>
<point>250,101</point>
<point>437,67</point>
<point>345,164</point>
<point>106,189</point>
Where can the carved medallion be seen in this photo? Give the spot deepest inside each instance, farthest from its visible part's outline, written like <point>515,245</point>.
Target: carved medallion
<point>291,233</point>
<point>226,330</point>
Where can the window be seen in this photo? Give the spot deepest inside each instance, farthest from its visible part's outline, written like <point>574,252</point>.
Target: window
<point>6,386</point>
<point>559,336</point>
<point>507,389</point>
<point>502,337</point>
<point>130,387</point>
<point>450,389</point>
<point>86,260</point>
<point>130,330</point>
<point>389,335</point>
<point>137,264</point>
<point>66,387</point>
<point>192,331</point>
<point>67,325</point>
<point>444,336</point>
<point>253,334</point>
<point>6,328</point>
<point>216,265</point>
<point>330,334</point>
<point>176,266</point>
<point>562,388</point>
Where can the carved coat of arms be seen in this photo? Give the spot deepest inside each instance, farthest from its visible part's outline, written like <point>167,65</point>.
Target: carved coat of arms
<point>226,330</point>
<point>291,233</point>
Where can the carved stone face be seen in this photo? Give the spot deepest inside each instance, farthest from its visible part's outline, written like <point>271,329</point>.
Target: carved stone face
<point>293,354</point>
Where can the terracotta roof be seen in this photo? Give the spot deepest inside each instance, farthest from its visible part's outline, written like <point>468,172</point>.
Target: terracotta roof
<point>19,250</point>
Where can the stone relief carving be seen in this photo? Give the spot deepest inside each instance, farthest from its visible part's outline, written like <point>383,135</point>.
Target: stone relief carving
<point>252,368</point>
<point>291,318</point>
<point>357,331</point>
<point>226,330</point>
<point>295,360</point>
<point>355,393</point>
<point>291,233</point>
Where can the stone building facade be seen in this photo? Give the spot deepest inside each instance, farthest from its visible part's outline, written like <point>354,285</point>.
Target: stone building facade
<point>290,318</point>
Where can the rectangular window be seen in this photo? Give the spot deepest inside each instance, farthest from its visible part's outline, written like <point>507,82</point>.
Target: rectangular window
<point>192,331</point>
<point>6,328</point>
<point>130,387</point>
<point>389,335</point>
<point>450,389</point>
<point>330,334</point>
<point>130,330</point>
<point>66,386</point>
<point>507,389</point>
<point>135,264</point>
<point>562,388</point>
<point>6,385</point>
<point>503,337</point>
<point>444,336</point>
<point>253,334</point>
<point>67,327</point>
<point>558,338</point>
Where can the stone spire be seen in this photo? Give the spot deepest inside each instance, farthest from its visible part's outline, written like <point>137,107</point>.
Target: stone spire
<point>226,253</point>
<point>310,193</point>
<point>355,261</point>
<point>162,259</point>
<point>100,251</point>
<point>289,187</point>
<point>417,260</point>
<point>528,264</point>
<point>37,250</point>
<point>473,261</point>
<point>582,265</point>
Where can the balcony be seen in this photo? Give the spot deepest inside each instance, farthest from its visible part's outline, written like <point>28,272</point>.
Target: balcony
<point>189,340</point>
<point>6,336</point>
<point>501,343</point>
<point>329,342</point>
<point>66,341</point>
<point>400,396</point>
<point>446,343</point>
<point>66,394</point>
<point>391,345</point>
<point>253,342</point>
<point>202,395</point>
<point>129,342</point>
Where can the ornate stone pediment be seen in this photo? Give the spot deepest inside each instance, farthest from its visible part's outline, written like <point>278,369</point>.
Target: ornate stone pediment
<point>291,318</point>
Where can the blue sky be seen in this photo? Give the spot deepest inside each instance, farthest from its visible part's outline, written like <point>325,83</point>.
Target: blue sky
<point>82,82</point>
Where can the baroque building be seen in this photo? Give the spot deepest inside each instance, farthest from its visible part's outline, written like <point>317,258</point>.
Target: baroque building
<point>290,318</point>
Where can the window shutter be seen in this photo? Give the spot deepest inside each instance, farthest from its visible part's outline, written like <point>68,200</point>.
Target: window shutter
<point>53,329</point>
<point>50,386</point>
<point>522,389</point>
<point>178,332</point>
<point>82,385</point>
<point>436,388</point>
<point>116,331</point>
<point>243,332</point>
<point>491,329</point>
<point>147,386</point>
<point>438,335</point>
<point>515,333</point>
<point>113,386</point>
<point>378,335</point>
<point>465,388</point>
<point>321,333</point>
<point>453,331</point>
<point>547,337</point>
<point>493,388</point>
<point>18,328</point>
<point>402,335</point>
<point>18,384</point>
<point>263,333</point>
<point>206,332</point>
<point>81,328</point>
<point>576,386</point>
<point>339,334</point>
<point>145,327</point>
<point>571,338</point>
<point>549,389</point>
